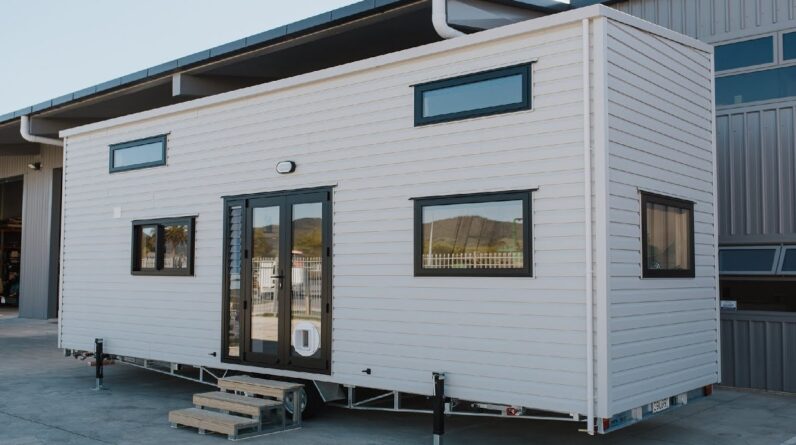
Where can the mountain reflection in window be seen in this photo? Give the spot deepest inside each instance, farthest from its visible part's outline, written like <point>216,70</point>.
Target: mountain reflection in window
<point>482,235</point>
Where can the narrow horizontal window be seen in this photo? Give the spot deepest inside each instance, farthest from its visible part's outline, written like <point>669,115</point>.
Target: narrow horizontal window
<point>756,86</point>
<point>142,153</point>
<point>748,260</point>
<point>789,46</point>
<point>742,54</point>
<point>667,227</point>
<point>490,92</point>
<point>163,246</point>
<point>473,235</point>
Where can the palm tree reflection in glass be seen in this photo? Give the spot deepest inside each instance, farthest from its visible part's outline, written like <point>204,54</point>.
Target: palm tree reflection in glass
<point>176,246</point>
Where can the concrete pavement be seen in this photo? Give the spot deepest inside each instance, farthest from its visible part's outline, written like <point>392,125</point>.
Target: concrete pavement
<point>46,398</point>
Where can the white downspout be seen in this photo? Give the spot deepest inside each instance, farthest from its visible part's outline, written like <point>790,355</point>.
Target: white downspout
<point>439,18</point>
<point>24,130</point>
<point>587,191</point>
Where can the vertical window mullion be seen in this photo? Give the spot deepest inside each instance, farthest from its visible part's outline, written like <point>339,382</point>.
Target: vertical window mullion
<point>160,251</point>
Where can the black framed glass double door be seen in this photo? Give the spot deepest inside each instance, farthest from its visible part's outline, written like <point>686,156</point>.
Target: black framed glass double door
<point>277,279</point>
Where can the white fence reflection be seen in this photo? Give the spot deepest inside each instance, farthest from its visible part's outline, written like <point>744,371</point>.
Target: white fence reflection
<point>307,286</point>
<point>495,260</point>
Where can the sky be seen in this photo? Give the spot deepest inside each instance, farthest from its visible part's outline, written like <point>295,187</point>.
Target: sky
<point>49,48</point>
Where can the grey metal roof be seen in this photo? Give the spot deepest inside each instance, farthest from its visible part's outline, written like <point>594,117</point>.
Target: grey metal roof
<point>361,8</point>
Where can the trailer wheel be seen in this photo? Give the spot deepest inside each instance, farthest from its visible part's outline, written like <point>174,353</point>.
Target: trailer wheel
<point>310,401</point>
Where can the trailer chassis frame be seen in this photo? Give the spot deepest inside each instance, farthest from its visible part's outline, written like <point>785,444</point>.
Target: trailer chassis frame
<point>454,407</point>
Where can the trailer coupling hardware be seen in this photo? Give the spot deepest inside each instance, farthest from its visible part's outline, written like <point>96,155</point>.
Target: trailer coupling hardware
<point>500,409</point>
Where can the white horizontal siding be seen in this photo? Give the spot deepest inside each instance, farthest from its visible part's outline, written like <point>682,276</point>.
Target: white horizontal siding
<point>508,340</point>
<point>663,332</point>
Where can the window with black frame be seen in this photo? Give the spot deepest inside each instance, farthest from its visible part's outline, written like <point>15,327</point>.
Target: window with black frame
<point>496,91</point>
<point>485,234</point>
<point>667,230</point>
<point>163,246</point>
<point>137,154</point>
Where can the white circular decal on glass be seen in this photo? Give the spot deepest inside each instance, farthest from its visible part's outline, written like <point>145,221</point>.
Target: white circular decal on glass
<point>306,338</point>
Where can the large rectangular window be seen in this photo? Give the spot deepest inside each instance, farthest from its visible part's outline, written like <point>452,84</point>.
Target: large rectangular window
<point>742,54</point>
<point>667,231</point>
<point>491,92</point>
<point>163,246</point>
<point>141,153</point>
<point>473,235</point>
<point>756,86</point>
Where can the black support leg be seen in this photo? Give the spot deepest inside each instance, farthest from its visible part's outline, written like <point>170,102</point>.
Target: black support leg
<point>99,358</point>
<point>439,407</point>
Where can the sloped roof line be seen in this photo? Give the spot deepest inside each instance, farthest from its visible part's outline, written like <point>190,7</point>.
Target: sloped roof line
<point>262,39</point>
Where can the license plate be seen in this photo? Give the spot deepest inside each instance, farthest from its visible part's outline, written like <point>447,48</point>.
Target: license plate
<point>660,405</point>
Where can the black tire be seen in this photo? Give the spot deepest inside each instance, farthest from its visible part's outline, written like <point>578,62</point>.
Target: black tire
<point>311,401</point>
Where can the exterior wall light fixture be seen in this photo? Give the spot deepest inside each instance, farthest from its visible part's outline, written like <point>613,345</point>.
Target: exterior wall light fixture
<point>285,167</point>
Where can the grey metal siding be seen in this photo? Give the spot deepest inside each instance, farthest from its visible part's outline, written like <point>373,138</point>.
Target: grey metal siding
<point>757,170</point>
<point>54,274</point>
<point>759,350</point>
<point>715,20</point>
<point>36,207</point>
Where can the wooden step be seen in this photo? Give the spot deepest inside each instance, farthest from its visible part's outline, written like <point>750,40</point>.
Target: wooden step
<point>205,420</point>
<point>260,387</point>
<point>234,403</point>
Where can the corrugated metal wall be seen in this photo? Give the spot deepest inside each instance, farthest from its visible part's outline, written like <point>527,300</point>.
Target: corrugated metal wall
<point>715,20</point>
<point>36,207</point>
<point>757,167</point>
<point>759,350</point>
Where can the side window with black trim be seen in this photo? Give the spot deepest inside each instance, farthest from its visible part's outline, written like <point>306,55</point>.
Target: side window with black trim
<point>667,231</point>
<point>163,246</point>
<point>140,153</point>
<point>485,234</point>
<point>490,92</point>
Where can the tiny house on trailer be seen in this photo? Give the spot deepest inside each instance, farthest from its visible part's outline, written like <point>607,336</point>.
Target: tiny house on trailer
<point>529,210</point>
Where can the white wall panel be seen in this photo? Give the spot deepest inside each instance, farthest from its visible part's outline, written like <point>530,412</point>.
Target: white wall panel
<point>663,332</point>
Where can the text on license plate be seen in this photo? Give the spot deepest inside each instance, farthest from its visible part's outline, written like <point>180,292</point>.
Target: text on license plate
<point>660,405</point>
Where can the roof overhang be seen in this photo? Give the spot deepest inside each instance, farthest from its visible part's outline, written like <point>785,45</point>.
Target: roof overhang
<point>362,30</point>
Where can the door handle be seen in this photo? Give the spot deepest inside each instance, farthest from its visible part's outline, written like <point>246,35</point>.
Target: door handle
<point>280,278</point>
